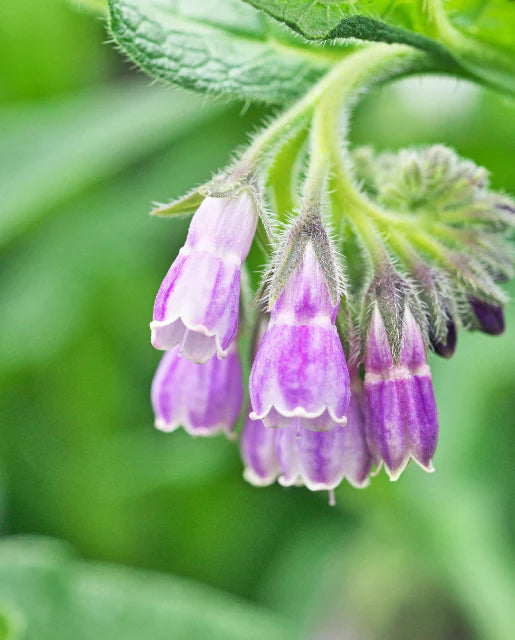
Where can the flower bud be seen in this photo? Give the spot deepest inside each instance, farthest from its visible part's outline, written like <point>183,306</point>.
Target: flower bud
<point>400,406</point>
<point>300,371</point>
<point>489,317</point>
<point>257,448</point>
<point>204,398</point>
<point>197,304</point>
<point>447,347</point>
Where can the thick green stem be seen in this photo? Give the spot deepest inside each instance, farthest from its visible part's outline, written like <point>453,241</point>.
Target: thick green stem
<point>367,65</point>
<point>317,172</point>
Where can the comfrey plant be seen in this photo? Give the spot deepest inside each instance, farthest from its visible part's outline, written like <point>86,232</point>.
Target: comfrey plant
<point>362,265</point>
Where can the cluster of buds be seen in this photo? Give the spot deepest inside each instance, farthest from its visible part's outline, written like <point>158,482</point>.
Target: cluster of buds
<point>340,383</point>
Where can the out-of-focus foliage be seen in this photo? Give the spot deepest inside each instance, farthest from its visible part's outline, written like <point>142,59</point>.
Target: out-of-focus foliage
<point>46,593</point>
<point>83,156</point>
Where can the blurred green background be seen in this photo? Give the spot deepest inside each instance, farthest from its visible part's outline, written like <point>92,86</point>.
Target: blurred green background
<point>86,145</point>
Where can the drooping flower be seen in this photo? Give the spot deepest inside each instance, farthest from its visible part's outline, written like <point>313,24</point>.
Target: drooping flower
<point>257,448</point>
<point>300,372</point>
<point>400,407</point>
<point>198,301</point>
<point>205,399</point>
<point>319,460</point>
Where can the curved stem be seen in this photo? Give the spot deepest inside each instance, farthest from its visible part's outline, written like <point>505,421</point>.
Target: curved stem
<point>473,51</point>
<point>367,65</point>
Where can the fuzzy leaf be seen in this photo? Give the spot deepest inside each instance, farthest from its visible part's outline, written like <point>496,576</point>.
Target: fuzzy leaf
<point>184,206</point>
<point>381,20</point>
<point>219,46</point>
<point>478,33</point>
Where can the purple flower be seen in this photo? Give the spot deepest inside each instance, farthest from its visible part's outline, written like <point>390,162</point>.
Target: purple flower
<point>400,406</point>
<point>300,371</point>
<point>445,348</point>
<point>198,301</point>
<point>320,460</point>
<point>489,317</point>
<point>204,398</point>
<point>257,448</point>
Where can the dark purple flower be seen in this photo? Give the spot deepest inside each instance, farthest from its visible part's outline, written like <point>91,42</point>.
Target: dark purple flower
<point>400,407</point>
<point>300,371</point>
<point>445,348</point>
<point>198,302</point>
<point>490,317</point>
<point>204,398</point>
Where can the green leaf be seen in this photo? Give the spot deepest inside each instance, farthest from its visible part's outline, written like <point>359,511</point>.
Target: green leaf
<point>52,150</point>
<point>381,20</point>
<point>218,46</point>
<point>61,598</point>
<point>478,34</point>
<point>184,206</point>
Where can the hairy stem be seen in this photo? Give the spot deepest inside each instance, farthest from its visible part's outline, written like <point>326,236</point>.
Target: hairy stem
<point>369,64</point>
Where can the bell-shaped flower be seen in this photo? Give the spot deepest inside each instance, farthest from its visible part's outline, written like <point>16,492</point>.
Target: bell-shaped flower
<point>400,408</point>
<point>198,302</point>
<point>257,448</point>
<point>300,372</point>
<point>205,398</point>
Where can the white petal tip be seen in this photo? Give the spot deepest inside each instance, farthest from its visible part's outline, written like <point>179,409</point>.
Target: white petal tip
<point>427,468</point>
<point>165,427</point>
<point>301,413</point>
<point>395,474</point>
<point>295,481</point>
<point>258,481</point>
<point>359,484</point>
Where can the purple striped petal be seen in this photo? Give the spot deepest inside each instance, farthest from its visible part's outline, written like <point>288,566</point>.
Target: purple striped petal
<point>300,372</point>
<point>403,419</point>
<point>357,460</point>
<point>198,301</point>
<point>197,306</point>
<point>306,296</point>
<point>257,448</point>
<point>378,357</point>
<point>320,460</point>
<point>400,408</point>
<point>204,398</point>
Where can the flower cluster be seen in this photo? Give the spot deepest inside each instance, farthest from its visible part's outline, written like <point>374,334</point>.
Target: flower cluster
<point>340,382</point>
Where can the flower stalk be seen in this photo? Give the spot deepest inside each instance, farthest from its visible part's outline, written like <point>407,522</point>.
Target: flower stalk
<point>417,255</point>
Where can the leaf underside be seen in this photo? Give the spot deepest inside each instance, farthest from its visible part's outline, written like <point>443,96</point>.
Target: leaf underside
<point>478,34</point>
<point>222,47</point>
<point>226,47</point>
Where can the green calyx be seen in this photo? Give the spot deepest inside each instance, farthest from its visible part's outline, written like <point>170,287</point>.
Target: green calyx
<point>422,220</point>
